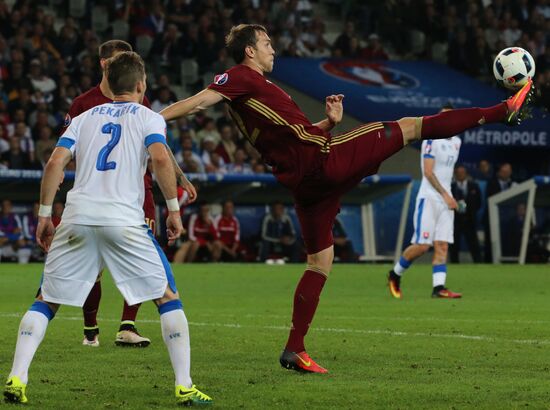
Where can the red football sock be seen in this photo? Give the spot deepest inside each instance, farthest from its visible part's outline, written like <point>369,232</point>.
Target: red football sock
<point>306,299</point>
<point>129,313</point>
<point>449,123</point>
<point>91,306</point>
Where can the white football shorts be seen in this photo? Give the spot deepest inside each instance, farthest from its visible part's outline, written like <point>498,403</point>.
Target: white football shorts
<point>433,221</point>
<point>78,253</point>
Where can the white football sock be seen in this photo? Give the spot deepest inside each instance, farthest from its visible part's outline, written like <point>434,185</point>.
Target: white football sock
<point>439,274</point>
<point>31,333</point>
<point>175,332</point>
<point>402,266</point>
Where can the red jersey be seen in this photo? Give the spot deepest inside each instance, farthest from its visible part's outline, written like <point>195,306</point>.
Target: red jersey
<point>272,122</point>
<point>201,231</point>
<point>229,229</point>
<point>92,98</point>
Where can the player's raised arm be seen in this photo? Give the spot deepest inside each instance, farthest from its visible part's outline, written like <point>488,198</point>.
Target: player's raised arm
<point>166,178</point>
<point>334,111</point>
<point>198,102</point>
<point>52,177</point>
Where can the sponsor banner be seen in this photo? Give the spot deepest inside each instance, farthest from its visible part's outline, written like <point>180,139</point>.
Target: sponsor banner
<point>387,91</point>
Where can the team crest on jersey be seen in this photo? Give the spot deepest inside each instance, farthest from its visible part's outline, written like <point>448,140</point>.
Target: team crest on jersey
<point>428,149</point>
<point>426,235</point>
<point>67,120</point>
<point>221,79</point>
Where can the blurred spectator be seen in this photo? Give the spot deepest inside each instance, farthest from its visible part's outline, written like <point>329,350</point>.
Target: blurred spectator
<point>203,242</point>
<point>374,49</point>
<point>278,235</point>
<point>343,247</point>
<point>343,42</point>
<point>229,231</point>
<point>163,100</point>
<point>227,147</point>
<point>15,158</point>
<point>39,80</point>
<point>484,171</point>
<point>468,196</point>
<point>208,130</point>
<point>212,161</point>
<point>28,223</point>
<point>501,182</point>
<point>45,142</point>
<point>12,242</point>
<point>239,166</point>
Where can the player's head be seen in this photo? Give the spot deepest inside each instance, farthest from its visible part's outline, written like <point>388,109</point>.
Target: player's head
<point>126,74</point>
<point>249,43</point>
<point>110,49</point>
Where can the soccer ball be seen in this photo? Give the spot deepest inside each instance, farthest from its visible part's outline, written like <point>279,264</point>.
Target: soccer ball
<point>513,67</point>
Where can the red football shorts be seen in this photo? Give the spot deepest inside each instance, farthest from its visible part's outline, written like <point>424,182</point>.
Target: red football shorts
<point>149,209</point>
<point>353,156</point>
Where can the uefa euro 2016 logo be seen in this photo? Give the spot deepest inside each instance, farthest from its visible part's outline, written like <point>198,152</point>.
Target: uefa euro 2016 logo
<point>369,74</point>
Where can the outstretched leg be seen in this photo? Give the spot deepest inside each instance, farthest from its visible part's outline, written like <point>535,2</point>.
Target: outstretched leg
<point>452,122</point>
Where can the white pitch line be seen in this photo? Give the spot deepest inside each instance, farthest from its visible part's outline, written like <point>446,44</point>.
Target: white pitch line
<point>327,329</point>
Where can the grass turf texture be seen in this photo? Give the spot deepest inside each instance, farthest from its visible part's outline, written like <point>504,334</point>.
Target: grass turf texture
<point>488,350</point>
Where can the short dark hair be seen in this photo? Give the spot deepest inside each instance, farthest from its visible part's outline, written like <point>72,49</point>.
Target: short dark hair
<point>240,37</point>
<point>124,71</point>
<point>107,49</point>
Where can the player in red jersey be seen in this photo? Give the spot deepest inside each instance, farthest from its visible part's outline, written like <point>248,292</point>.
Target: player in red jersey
<point>316,166</point>
<point>101,94</point>
<point>229,231</point>
<point>203,237</point>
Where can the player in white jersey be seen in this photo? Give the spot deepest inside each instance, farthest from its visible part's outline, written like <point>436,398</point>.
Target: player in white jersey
<point>103,224</point>
<point>433,215</point>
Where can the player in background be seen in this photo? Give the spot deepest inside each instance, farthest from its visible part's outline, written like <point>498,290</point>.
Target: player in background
<point>100,94</point>
<point>229,232</point>
<point>433,216</point>
<point>110,144</point>
<point>316,166</point>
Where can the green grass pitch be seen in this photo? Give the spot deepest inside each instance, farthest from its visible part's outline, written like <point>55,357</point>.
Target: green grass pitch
<point>490,350</point>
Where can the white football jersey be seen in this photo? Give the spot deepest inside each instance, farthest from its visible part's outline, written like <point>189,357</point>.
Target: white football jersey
<point>109,143</point>
<point>445,153</point>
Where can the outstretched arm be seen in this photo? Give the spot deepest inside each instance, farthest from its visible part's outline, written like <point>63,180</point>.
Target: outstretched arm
<point>334,110</point>
<point>198,102</point>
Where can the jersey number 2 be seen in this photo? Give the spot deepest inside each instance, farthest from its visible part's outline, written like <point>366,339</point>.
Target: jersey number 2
<point>114,130</point>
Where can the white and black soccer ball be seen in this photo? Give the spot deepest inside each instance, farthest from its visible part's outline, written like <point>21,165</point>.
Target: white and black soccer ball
<point>513,67</point>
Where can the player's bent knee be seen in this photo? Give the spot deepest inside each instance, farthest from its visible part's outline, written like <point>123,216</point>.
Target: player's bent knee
<point>321,261</point>
<point>168,296</point>
<point>53,306</point>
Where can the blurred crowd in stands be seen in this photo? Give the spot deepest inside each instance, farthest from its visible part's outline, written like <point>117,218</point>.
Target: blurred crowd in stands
<point>49,55</point>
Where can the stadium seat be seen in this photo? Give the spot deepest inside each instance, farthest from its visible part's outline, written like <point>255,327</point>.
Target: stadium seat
<point>121,30</point>
<point>100,19</point>
<point>143,45</point>
<point>77,8</point>
<point>189,72</point>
